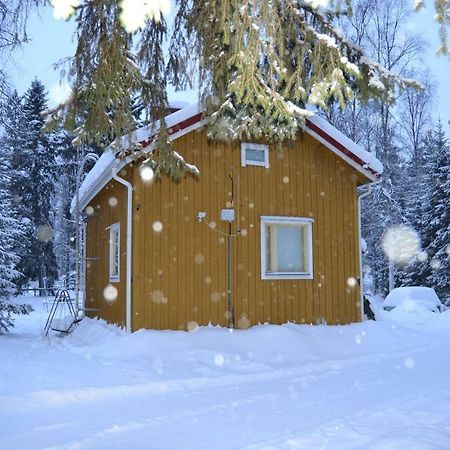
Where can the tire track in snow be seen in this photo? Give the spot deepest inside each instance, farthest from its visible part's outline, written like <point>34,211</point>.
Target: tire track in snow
<point>61,398</point>
<point>112,430</point>
<point>368,428</point>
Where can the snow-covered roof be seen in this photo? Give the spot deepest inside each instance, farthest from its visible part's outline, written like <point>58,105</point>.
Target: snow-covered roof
<point>178,123</point>
<point>332,137</point>
<point>190,118</point>
<point>178,104</point>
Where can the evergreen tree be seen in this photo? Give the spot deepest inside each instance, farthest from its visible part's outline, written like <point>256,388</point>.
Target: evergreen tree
<point>13,141</point>
<point>431,216</point>
<point>35,182</point>
<point>11,233</point>
<point>436,229</point>
<point>418,183</point>
<point>13,147</point>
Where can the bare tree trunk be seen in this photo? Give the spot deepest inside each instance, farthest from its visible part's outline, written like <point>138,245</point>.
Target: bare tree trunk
<point>391,277</point>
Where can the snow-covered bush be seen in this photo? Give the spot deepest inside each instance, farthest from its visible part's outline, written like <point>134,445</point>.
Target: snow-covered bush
<point>7,311</point>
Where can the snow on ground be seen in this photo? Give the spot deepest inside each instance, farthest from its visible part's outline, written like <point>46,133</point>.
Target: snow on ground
<point>375,385</point>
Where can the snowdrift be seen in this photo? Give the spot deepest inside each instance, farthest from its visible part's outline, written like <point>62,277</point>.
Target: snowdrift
<point>368,385</point>
<point>423,296</point>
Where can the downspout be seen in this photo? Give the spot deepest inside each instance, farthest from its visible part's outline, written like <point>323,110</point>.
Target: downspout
<point>361,196</point>
<point>129,245</point>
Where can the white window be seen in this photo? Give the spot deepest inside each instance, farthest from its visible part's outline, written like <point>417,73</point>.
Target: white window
<point>114,252</point>
<point>254,154</point>
<point>286,248</point>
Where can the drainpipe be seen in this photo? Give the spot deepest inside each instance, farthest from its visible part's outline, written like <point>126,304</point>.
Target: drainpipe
<point>361,196</point>
<point>129,243</point>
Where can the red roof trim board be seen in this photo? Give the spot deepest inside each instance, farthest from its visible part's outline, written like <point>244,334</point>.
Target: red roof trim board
<point>340,147</point>
<point>178,127</point>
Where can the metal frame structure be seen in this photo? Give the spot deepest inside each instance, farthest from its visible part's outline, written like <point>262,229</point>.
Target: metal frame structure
<point>80,261</point>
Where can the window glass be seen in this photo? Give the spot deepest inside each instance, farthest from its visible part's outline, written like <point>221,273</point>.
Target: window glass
<point>114,252</point>
<point>254,155</point>
<point>286,247</point>
<point>290,248</point>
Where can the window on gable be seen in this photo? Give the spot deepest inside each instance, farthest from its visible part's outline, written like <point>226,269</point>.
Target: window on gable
<point>254,154</point>
<point>114,252</point>
<point>286,248</point>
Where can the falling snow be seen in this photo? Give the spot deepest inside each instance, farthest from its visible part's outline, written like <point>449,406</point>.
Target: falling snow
<point>44,233</point>
<point>157,226</point>
<point>147,174</point>
<point>400,244</point>
<point>422,256</point>
<point>435,264</point>
<point>158,297</point>
<point>199,258</point>
<point>135,13</point>
<point>112,201</point>
<point>409,363</point>
<point>110,293</point>
<point>63,9</point>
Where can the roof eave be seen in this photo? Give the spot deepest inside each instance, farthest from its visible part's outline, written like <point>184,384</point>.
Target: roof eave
<point>98,185</point>
<point>341,151</point>
<point>176,131</point>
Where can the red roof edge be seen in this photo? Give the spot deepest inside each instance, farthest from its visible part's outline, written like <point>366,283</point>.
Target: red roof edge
<point>177,127</point>
<point>340,147</point>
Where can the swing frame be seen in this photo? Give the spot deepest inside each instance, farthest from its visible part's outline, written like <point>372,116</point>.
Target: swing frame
<point>62,296</point>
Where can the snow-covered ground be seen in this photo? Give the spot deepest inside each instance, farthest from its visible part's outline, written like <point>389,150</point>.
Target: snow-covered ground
<point>383,385</point>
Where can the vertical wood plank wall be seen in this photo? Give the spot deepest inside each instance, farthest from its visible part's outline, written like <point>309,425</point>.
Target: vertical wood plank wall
<point>97,270</point>
<point>180,272</point>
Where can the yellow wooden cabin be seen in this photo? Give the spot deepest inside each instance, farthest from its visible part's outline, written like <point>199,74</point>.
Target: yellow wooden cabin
<point>259,236</point>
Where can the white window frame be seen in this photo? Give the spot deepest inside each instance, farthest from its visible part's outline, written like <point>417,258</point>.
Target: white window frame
<point>258,147</point>
<point>114,228</point>
<point>284,220</point>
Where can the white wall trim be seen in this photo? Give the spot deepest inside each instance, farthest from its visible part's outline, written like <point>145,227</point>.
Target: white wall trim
<point>309,275</point>
<point>259,147</point>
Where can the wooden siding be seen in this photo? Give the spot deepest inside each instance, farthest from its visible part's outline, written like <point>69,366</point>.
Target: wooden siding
<point>180,272</point>
<point>106,212</point>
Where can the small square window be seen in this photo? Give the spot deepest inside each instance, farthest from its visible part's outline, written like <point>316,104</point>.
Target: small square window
<point>286,248</point>
<point>114,252</point>
<point>254,154</point>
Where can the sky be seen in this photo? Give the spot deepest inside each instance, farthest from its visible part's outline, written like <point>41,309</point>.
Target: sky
<point>51,41</point>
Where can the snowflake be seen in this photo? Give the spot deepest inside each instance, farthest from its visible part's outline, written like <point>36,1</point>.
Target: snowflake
<point>63,9</point>
<point>136,12</point>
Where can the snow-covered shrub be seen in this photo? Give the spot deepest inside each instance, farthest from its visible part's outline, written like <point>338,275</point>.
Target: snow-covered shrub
<point>7,311</point>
